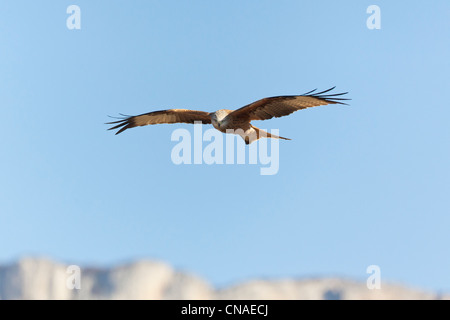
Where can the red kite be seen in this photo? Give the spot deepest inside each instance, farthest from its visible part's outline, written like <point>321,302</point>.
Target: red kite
<point>236,121</point>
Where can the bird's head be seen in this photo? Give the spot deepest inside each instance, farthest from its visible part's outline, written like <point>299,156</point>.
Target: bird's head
<point>219,115</point>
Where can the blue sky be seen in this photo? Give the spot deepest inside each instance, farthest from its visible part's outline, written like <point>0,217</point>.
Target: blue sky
<point>358,185</point>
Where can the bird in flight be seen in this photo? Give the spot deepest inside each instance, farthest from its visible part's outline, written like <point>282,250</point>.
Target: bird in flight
<point>236,121</point>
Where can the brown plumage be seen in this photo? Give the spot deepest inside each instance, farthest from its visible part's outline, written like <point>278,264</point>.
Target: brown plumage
<point>237,121</point>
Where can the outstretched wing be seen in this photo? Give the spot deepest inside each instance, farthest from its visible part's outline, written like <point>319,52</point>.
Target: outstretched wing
<point>163,116</point>
<point>268,108</point>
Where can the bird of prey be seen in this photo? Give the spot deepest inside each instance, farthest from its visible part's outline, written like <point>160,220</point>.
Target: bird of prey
<point>236,121</point>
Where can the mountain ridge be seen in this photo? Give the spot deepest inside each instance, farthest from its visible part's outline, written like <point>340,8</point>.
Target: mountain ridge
<point>34,278</point>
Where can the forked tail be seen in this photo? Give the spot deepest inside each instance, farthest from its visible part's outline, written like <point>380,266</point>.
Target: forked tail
<point>263,134</point>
